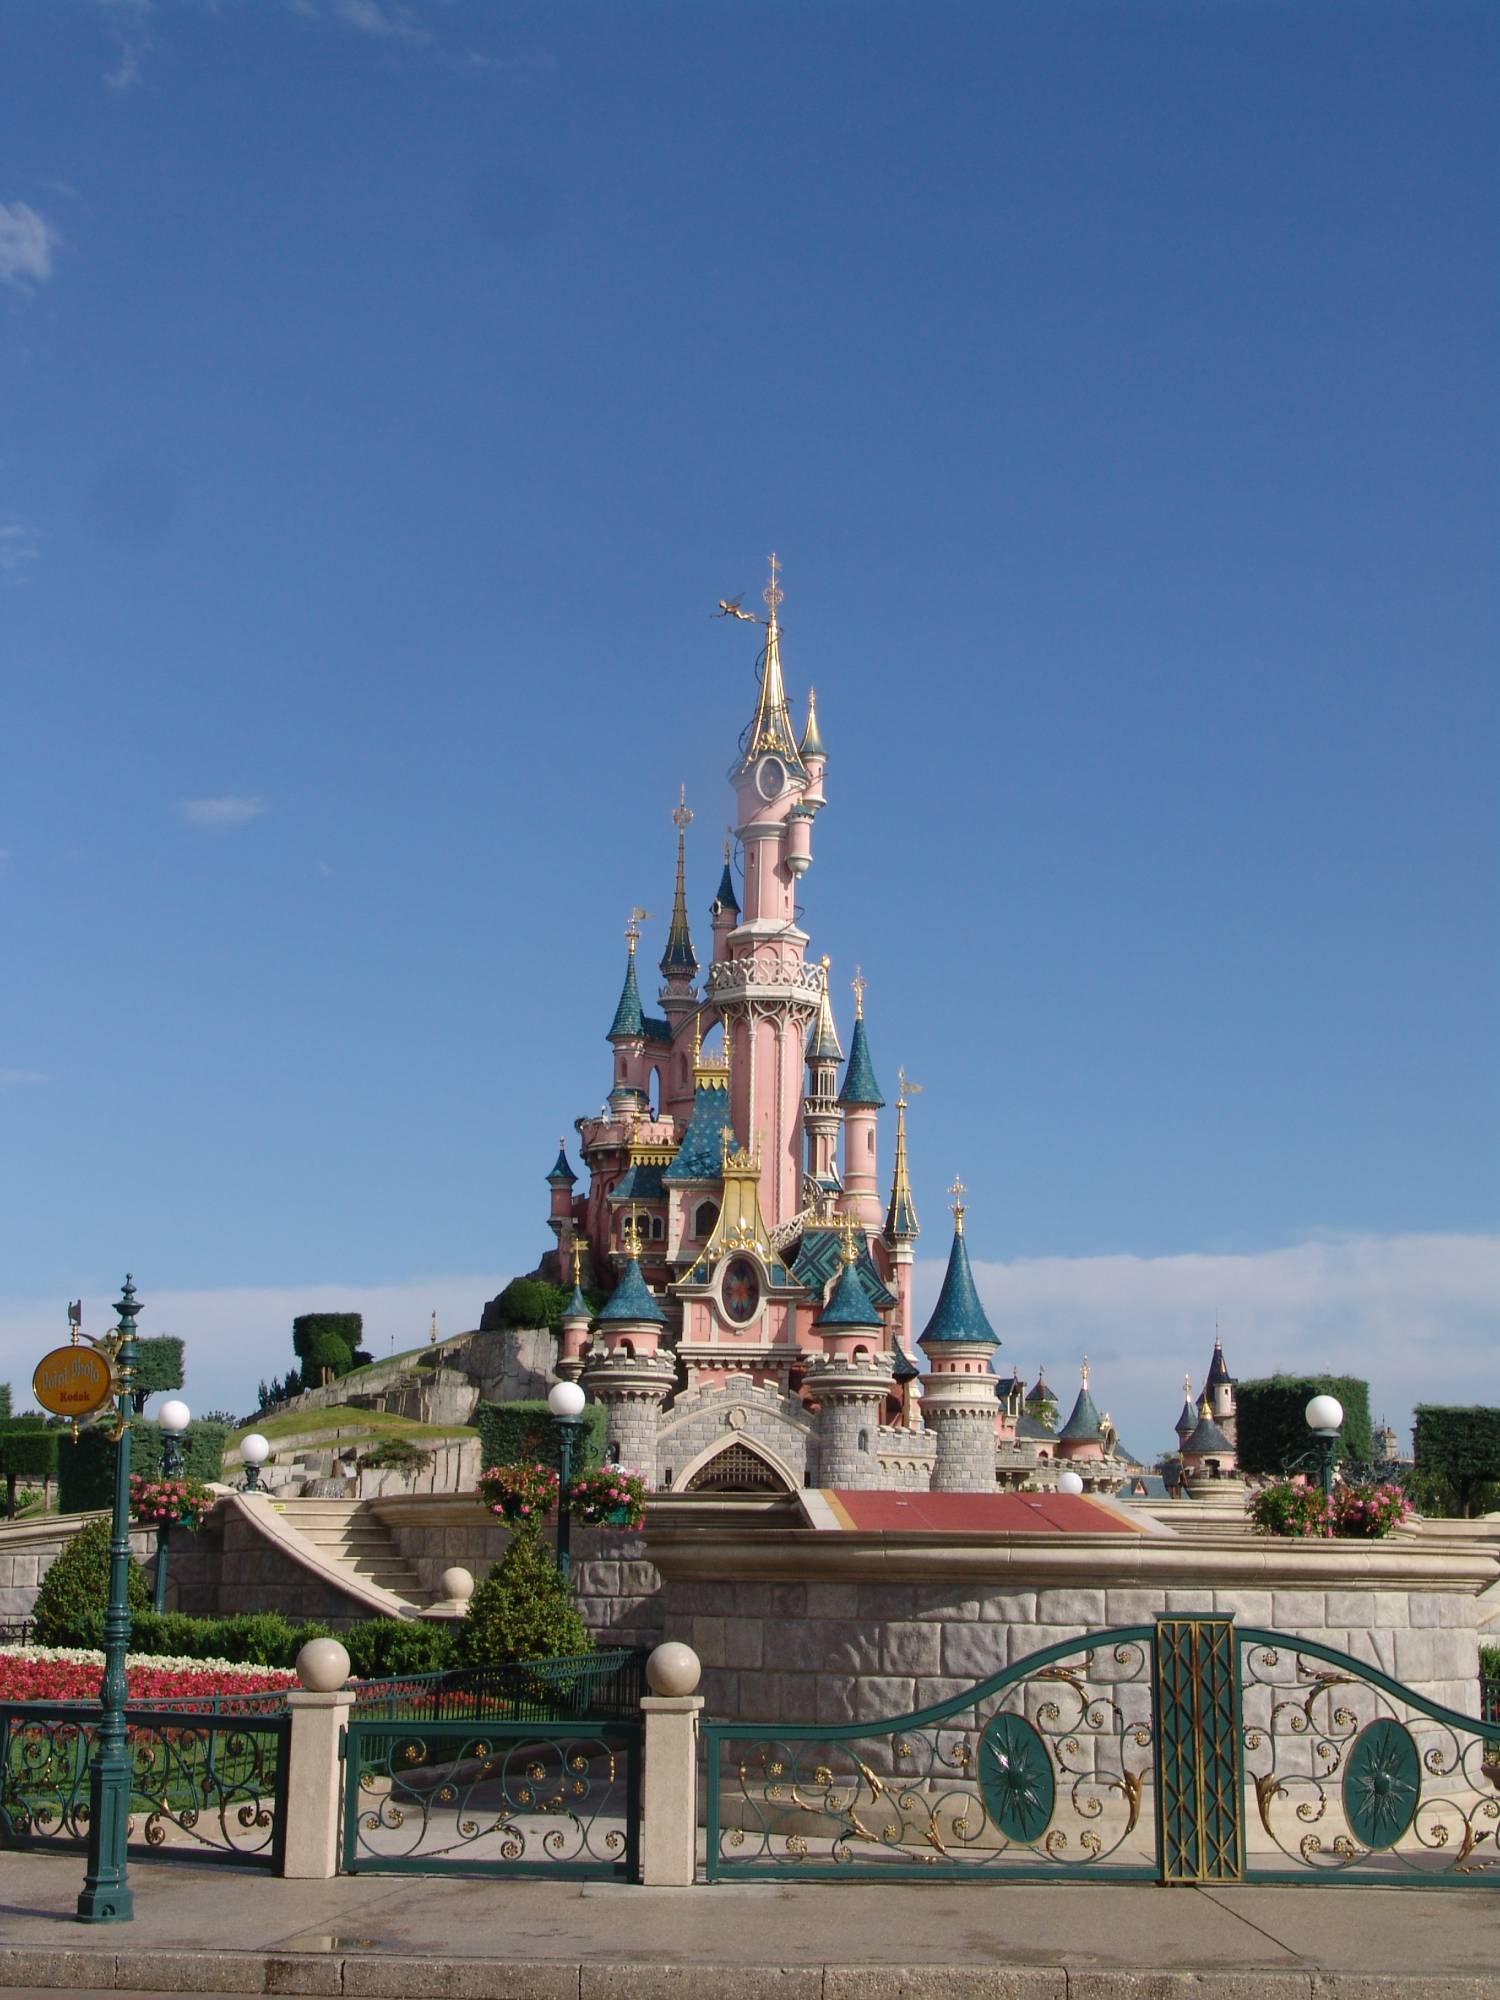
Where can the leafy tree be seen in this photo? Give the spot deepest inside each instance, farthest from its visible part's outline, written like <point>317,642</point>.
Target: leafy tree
<point>27,1451</point>
<point>395,1454</point>
<point>4,1399</point>
<point>1457,1468</point>
<point>525,1302</point>
<point>71,1602</point>
<point>521,1612</point>
<point>1271,1421</point>
<point>158,1368</point>
<point>325,1344</point>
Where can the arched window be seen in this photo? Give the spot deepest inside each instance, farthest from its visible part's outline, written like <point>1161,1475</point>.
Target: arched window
<point>658,1229</point>
<point>627,1348</point>
<point>870,1140</point>
<point>705,1217</point>
<point>864,1440</point>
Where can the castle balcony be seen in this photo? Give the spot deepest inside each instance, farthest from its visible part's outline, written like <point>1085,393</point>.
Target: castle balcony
<point>770,982</point>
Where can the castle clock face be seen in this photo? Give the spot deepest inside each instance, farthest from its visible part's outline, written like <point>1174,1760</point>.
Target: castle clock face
<point>770,779</point>
<point>741,1290</point>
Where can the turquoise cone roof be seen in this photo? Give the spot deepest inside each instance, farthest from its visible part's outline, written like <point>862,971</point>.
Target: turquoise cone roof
<point>823,1039</point>
<point>629,1019</point>
<point>901,1223</point>
<point>679,958</point>
<point>1083,1424</point>
<point>638,1183</point>
<point>850,1304</point>
<point>1039,1392</point>
<point>1206,1439</point>
<point>631,1300</point>
<point>1187,1421</point>
<point>818,1257</point>
<point>726,898</point>
<point>577,1306</point>
<point>860,1086</point>
<point>812,740</point>
<point>562,1175</point>
<point>700,1151</point>
<point>958,1317</point>
<point>905,1369</point>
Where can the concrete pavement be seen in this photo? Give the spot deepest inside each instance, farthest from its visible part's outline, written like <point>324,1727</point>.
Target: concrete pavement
<point>201,1929</point>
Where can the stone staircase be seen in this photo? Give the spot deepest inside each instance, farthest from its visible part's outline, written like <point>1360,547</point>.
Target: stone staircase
<point>347,1532</point>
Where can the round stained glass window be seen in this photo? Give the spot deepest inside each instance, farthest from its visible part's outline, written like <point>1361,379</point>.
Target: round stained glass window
<point>741,1290</point>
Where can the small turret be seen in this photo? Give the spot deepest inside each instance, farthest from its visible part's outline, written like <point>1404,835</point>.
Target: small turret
<point>574,1324</point>
<point>561,1181</point>
<point>1188,1417</point>
<point>959,1401</point>
<point>679,962</point>
<point>901,1223</point>
<point>1082,1435</point>
<point>860,1099</point>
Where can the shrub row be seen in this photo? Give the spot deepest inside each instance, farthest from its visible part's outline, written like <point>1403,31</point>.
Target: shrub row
<point>86,1470</point>
<point>524,1433</point>
<point>1272,1433</point>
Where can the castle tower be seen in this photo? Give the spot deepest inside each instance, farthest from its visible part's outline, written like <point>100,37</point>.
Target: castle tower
<point>679,970</point>
<point>1219,1390</point>
<point>851,1379</point>
<point>725,909</point>
<point>764,990</point>
<point>901,1226</point>
<point>1082,1436</point>
<point>860,1099</point>
<point>627,1034</point>
<point>562,1180</point>
<point>629,1377</point>
<point>821,1114</point>
<point>1187,1416</point>
<point>1207,1453</point>
<point>959,1401</point>
<point>574,1326</point>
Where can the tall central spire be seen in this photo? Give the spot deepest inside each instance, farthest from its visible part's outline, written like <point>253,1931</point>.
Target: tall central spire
<point>772,728</point>
<point>679,961</point>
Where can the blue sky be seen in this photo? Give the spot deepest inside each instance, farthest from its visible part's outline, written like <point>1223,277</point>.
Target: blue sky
<point>390,392</point>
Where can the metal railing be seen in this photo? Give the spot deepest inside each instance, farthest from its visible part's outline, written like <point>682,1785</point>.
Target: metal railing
<point>605,1686</point>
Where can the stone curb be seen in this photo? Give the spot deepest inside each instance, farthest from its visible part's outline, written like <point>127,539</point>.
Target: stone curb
<point>384,1976</point>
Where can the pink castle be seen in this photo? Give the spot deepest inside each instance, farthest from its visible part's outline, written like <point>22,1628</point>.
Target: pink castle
<point>758,1333</point>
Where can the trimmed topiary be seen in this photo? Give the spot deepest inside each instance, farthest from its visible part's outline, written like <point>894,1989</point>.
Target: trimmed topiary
<point>521,1612</point>
<point>71,1602</point>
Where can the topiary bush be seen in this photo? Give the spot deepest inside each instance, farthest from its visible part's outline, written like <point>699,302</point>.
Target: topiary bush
<point>1271,1425</point>
<point>1457,1469</point>
<point>86,1469</point>
<point>525,1302</point>
<point>523,1432</point>
<point>381,1646</point>
<point>520,1612</point>
<point>75,1590</point>
<point>158,1367</point>
<point>395,1454</point>
<point>26,1452</point>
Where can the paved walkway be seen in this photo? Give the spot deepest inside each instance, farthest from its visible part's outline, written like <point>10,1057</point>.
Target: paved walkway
<point>201,1929</point>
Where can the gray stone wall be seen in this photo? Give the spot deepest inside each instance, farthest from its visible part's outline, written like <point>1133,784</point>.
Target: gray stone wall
<point>964,1439</point>
<point>704,1418</point>
<point>859,1651</point>
<point>29,1548</point>
<point>850,1427</point>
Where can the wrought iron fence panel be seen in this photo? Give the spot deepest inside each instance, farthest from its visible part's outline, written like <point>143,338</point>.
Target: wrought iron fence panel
<point>1042,1771</point>
<point>606,1685</point>
<point>493,1797</point>
<point>200,1785</point>
<point>1350,1775</point>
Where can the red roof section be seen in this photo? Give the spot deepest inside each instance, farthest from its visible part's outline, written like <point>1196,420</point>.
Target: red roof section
<point>976,1513</point>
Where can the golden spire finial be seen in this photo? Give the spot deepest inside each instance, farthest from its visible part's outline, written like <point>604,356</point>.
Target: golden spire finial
<point>630,1235</point>
<point>1187,1387</point>
<point>1084,1372</point>
<point>958,1191</point>
<point>577,1249</point>
<point>697,1037</point>
<point>638,916</point>
<point>859,983</point>
<point>773,592</point>
<point>682,818</point>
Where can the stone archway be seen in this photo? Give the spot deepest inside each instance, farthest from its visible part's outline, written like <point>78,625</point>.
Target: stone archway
<point>737,1467</point>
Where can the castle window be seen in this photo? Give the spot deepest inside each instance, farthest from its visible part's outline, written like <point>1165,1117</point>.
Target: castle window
<point>706,1216</point>
<point>658,1229</point>
<point>864,1440</point>
<point>870,1140</point>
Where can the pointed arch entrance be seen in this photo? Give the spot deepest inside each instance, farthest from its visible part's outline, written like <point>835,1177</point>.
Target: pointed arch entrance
<point>738,1466</point>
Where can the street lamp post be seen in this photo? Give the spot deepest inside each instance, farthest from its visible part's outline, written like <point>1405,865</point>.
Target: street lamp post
<point>172,1419</point>
<point>105,1897</point>
<point>254,1451</point>
<point>565,1400</point>
<point>1325,1415</point>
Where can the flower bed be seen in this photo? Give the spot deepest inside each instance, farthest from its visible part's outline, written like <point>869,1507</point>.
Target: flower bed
<point>1297,1508</point>
<point>70,1673</point>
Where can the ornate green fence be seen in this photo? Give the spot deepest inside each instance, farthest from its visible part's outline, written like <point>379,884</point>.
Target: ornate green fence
<point>1185,1751</point>
<point>201,1785</point>
<point>530,1768</point>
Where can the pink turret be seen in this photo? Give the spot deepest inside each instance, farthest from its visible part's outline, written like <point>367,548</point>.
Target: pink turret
<point>861,1100</point>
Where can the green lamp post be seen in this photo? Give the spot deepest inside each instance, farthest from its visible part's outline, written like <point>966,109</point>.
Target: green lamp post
<point>172,1420</point>
<point>105,1897</point>
<point>565,1400</point>
<point>1325,1416</point>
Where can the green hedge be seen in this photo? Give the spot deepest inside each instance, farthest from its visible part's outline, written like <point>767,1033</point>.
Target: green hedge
<point>1272,1427</point>
<point>1457,1456</point>
<point>86,1470</point>
<point>251,1638</point>
<point>381,1646</point>
<point>524,1433</point>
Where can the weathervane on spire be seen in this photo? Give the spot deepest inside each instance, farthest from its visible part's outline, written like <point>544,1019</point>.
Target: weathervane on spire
<point>638,916</point>
<point>731,607</point>
<point>905,1089</point>
<point>859,983</point>
<point>773,592</point>
<point>958,1191</point>
<point>682,818</point>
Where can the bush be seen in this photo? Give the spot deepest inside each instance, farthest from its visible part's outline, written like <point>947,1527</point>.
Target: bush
<point>520,1433</point>
<point>378,1647</point>
<point>1294,1507</point>
<point>325,1358</point>
<point>326,1340</point>
<point>158,1367</point>
<point>395,1454</point>
<point>1271,1425</point>
<point>1457,1467</point>
<point>251,1638</point>
<point>86,1470</point>
<point>525,1302</point>
<point>27,1451</point>
<point>75,1590</point>
<point>520,1612</point>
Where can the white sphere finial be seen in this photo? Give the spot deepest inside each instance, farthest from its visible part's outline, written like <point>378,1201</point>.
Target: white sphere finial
<point>673,1669</point>
<point>1069,1482</point>
<point>323,1666</point>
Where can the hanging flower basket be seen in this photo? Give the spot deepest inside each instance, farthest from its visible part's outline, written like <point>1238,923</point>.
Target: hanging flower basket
<point>1297,1508</point>
<point>609,1499</point>
<point>521,1495</point>
<point>167,1503</point>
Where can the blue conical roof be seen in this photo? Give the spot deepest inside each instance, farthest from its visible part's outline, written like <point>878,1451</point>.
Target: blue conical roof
<point>1188,1420</point>
<point>631,1299</point>
<point>850,1303</point>
<point>562,1175</point>
<point>1206,1439</point>
<point>577,1306</point>
<point>958,1317</point>
<point>905,1369</point>
<point>860,1086</point>
<point>726,898</point>
<point>629,1019</point>
<point>700,1151</point>
<point>1082,1426</point>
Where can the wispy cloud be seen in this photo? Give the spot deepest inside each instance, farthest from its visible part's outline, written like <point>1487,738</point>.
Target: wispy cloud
<point>127,22</point>
<point>1414,1315</point>
<point>27,241</point>
<point>22,1076</point>
<point>19,549</point>
<point>216,815</point>
<point>386,22</point>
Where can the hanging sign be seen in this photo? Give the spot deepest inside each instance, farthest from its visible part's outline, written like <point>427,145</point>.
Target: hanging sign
<point>73,1381</point>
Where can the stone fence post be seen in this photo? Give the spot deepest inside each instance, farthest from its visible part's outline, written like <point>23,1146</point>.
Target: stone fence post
<point>669,1794</point>
<point>310,1847</point>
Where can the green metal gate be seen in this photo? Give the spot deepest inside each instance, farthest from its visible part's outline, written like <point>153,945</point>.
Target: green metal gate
<point>532,1769</point>
<point>1187,1751</point>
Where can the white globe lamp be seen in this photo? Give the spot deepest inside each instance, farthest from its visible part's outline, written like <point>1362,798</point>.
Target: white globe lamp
<point>254,1451</point>
<point>1069,1482</point>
